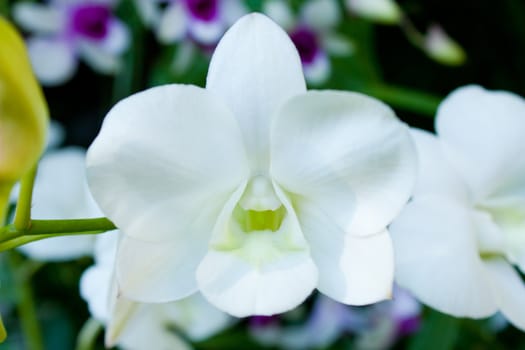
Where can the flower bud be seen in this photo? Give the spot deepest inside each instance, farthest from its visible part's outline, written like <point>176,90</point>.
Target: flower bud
<point>442,48</point>
<point>23,110</point>
<point>382,11</point>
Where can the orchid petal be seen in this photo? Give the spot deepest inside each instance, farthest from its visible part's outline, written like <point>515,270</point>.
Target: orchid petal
<point>152,272</point>
<point>39,18</point>
<point>509,291</point>
<point>280,12</point>
<point>98,58</point>
<point>318,71</point>
<point>232,10</point>
<point>321,14</point>
<point>435,173</point>
<point>163,128</point>
<point>206,32</point>
<point>118,38</point>
<point>352,270</point>
<point>145,329</point>
<point>495,142</point>
<point>173,23</point>
<point>347,154</point>
<point>255,69</point>
<point>437,257</point>
<point>53,60</point>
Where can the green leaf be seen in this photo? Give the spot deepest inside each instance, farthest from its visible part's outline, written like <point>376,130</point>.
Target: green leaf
<point>438,332</point>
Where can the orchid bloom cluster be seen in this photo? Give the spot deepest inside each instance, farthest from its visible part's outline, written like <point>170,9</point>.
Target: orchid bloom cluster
<point>203,21</point>
<point>313,34</point>
<point>63,31</point>
<point>141,326</point>
<point>461,239</point>
<point>252,191</point>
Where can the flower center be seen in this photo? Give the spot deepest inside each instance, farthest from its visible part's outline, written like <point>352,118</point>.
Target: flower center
<point>306,43</point>
<point>91,21</point>
<point>205,10</point>
<point>259,208</point>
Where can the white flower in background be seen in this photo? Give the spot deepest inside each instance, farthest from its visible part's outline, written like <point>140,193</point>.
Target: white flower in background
<point>324,324</point>
<point>457,241</point>
<point>253,190</point>
<point>61,192</point>
<point>66,30</point>
<point>137,326</point>
<point>313,34</point>
<point>442,48</point>
<point>382,11</point>
<point>374,327</point>
<point>203,21</point>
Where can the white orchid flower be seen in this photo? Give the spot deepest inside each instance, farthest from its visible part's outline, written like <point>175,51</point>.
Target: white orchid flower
<point>61,192</point>
<point>204,21</point>
<point>458,239</point>
<point>66,30</point>
<point>137,326</point>
<point>253,190</point>
<point>313,34</point>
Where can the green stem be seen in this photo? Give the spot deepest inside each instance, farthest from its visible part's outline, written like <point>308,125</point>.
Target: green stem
<point>5,191</point>
<point>16,242</point>
<point>413,35</point>
<point>88,335</point>
<point>26,306</point>
<point>11,237</point>
<point>45,227</point>
<point>404,98</point>
<point>23,208</point>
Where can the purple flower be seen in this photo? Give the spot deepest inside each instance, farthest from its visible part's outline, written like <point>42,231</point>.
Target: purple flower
<point>202,21</point>
<point>64,31</point>
<point>312,32</point>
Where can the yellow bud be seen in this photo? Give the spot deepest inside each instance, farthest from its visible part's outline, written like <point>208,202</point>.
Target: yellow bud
<point>23,111</point>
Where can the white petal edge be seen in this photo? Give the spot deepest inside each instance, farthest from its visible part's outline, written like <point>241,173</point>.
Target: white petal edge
<point>255,69</point>
<point>436,175</point>
<point>496,124</point>
<point>54,61</point>
<point>437,257</point>
<point>352,270</point>
<point>173,24</point>
<point>321,14</point>
<point>157,172</point>
<point>39,18</point>
<point>346,153</point>
<point>509,291</point>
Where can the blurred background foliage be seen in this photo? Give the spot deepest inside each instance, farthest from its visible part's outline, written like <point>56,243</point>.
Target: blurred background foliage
<point>385,65</point>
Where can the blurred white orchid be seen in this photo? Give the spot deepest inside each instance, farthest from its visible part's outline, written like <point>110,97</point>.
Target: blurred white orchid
<point>138,326</point>
<point>313,34</point>
<point>458,239</point>
<point>204,21</point>
<point>66,30</point>
<point>61,192</point>
<point>374,327</point>
<point>253,190</point>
